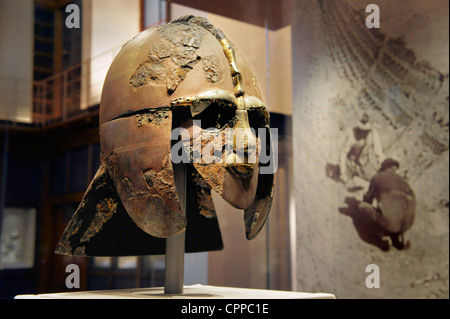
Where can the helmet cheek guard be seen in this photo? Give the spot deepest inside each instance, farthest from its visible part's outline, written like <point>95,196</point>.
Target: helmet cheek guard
<point>174,76</point>
<point>140,166</point>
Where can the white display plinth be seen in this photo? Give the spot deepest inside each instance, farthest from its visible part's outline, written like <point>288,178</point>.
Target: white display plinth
<point>190,292</point>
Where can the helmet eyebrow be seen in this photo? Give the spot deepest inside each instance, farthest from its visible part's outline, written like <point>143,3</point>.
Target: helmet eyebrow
<point>196,103</point>
<point>142,111</point>
<point>200,102</point>
<point>255,104</point>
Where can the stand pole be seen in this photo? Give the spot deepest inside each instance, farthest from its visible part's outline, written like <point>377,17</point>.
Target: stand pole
<point>174,268</point>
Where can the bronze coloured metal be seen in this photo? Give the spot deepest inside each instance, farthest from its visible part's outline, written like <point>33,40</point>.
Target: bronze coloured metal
<point>176,75</point>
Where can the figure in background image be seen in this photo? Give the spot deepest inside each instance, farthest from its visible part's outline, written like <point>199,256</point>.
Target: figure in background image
<point>396,203</point>
<point>361,153</point>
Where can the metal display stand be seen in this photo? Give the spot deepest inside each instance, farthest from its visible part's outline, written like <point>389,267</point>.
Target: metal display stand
<point>175,245</point>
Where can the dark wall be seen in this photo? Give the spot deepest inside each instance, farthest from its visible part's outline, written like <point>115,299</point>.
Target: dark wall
<point>44,168</point>
<point>22,189</point>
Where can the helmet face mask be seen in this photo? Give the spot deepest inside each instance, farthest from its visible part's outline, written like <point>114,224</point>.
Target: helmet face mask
<point>223,148</point>
<point>179,93</point>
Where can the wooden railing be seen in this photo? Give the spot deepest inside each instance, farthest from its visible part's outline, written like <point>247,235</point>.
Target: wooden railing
<point>64,94</point>
<point>58,96</point>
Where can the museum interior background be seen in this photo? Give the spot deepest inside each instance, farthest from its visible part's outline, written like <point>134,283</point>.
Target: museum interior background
<point>319,68</point>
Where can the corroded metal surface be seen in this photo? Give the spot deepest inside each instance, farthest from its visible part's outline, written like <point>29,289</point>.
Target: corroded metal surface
<point>177,75</point>
<point>138,160</point>
<point>101,226</point>
<point>171,58</point>
<point>203,192</point>
<point>106,208</point>
<point>83,227</point>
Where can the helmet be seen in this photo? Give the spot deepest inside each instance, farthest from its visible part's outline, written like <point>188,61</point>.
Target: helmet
<point>173,96</point>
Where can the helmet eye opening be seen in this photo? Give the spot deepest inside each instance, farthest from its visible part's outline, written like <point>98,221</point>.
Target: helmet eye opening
<point>257,119</point>
<point>216,115</point>
<point>211,113</point>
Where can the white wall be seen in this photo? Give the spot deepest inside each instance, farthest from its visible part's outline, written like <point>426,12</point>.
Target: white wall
<point>16,59</point>
<point>196,268</point>
<point>107,25</point>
